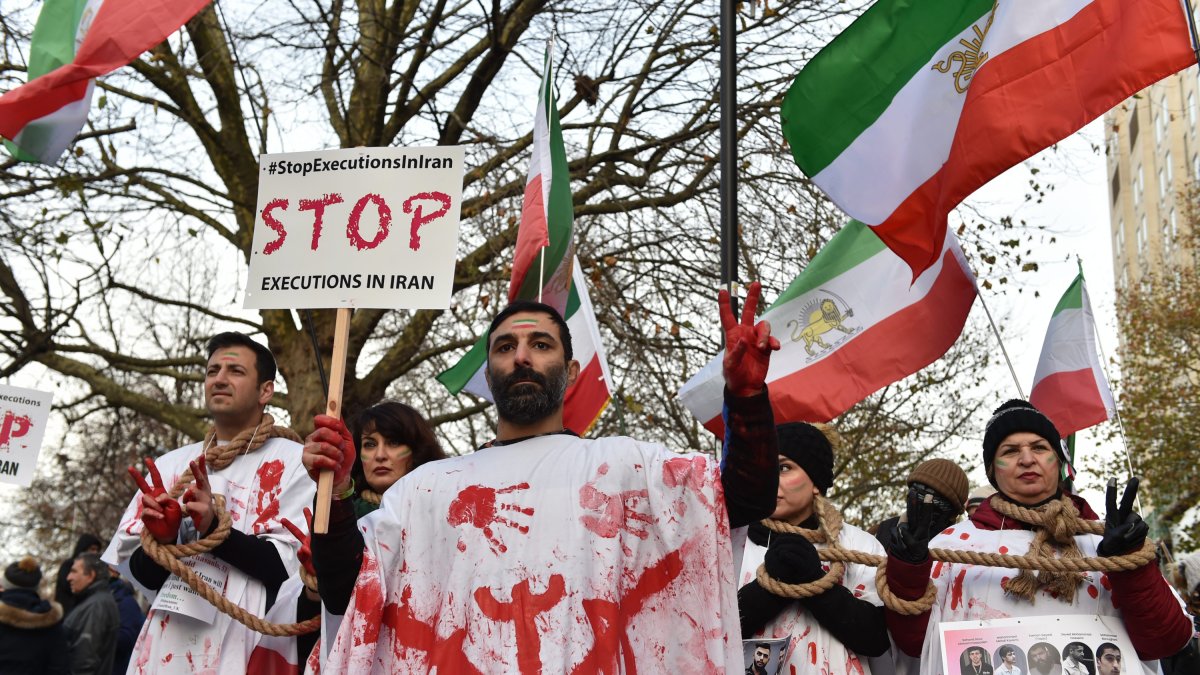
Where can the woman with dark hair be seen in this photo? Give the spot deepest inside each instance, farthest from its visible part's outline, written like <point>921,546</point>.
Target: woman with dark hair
<point>1032,513</point>
<point>391,439</point>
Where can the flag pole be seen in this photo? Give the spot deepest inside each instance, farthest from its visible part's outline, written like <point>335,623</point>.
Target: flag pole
<point>728,152</point>
<point>1191,18</point>
<point>1116,409</point>
<point>996,332</point>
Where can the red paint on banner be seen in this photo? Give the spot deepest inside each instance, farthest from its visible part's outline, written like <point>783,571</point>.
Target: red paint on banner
<point>354,228</point>
<point>318,207</point>
<point>1093,591</point>
<point>610,620</point>
<point>812,653</point>
<point>271,222</point>
<point>476,505</point>
<point>446,655</point>
<point>956,590</point>
<point>270,474</point>
<point>522,611</point>
<point>420,218</point>
<point>624,510</point>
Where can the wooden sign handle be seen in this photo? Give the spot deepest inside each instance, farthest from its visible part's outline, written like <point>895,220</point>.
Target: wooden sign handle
<point>333,408</point>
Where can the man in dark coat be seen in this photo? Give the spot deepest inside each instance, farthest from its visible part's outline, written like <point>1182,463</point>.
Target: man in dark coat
<point>31,634</point>
<point>92,626</point>
<point>87,543</point>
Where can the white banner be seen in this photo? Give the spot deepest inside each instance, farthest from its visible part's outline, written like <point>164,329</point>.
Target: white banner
<point>1070,644</point>
<point>365,227</point>
<point>23,417</point>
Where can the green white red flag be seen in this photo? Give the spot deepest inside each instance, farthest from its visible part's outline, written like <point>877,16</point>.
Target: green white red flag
<point>75,41</point>
<point>918,104</point>
<point>850,324</point>
<point>1069,385</point>
<point>545,269</point>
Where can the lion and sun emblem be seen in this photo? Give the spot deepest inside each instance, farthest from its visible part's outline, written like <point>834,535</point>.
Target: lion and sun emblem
<point>823,315</point>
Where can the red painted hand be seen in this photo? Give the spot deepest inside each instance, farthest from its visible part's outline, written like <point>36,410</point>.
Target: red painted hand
<point>160,514</point>
<point>748,345</point>
<point>305,552</point>
<point>330,448</point>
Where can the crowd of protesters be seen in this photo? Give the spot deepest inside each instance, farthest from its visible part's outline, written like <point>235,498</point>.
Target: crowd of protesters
<point>767,513</point>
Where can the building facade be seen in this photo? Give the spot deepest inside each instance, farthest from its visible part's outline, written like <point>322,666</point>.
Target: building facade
<point>1153,151</point>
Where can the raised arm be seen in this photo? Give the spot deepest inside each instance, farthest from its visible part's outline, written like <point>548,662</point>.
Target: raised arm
<point>749,473</point>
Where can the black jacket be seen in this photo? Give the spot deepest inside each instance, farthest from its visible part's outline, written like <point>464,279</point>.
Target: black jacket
<point>92,630</point>
<point>32,640</point>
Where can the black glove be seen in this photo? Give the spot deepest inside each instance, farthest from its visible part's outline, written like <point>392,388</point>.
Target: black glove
<point>792,559</point>
<point>1124,530</point>
<point>911,543</point>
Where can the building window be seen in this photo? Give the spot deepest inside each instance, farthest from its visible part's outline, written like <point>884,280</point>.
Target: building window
<point>1160,122</point>
<point>1162,185</point>
<point>1170,167</point>
<point>1169,235</point>
<point>1121,239</point>
<point>1191,102</point>
<point>1116,185</point>
<point>1138,182</point>
<point>1133,126</point>
<point>1141,238</point>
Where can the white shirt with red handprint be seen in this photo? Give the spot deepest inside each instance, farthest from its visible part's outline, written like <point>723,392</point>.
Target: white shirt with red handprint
<point>260,489</point>
<point>555,555</point>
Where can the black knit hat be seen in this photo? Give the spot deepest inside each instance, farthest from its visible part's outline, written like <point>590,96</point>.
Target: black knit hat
<point>809,447</point>
<point>24,573</point>
<point>1017,415</point>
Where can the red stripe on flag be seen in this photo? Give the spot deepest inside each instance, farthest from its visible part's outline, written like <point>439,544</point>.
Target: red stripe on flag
<point>121,31</point>
<point>888,351</point>
<point>1034,95</point>
<point>586,399</point>
<point>1070,399</point>
<point>532,235</point>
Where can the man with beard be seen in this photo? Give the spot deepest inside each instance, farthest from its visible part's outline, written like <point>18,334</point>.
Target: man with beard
<point>762,656</point>
<point>1075,659</point>
<point>1043,660</point>
<point>542,551</point>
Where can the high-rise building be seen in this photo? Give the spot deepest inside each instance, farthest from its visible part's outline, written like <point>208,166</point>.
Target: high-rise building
<point>1153,150</point>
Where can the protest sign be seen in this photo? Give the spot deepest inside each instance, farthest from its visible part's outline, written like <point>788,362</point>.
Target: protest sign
<point>363,227</point>
<point>1071,644</point>
<point>23,417</point>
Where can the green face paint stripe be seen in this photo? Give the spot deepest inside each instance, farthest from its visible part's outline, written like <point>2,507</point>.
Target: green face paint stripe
<point>1000,463</point>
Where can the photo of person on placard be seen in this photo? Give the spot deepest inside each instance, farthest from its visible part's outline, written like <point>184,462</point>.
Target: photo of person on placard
<point>1077,659</point>
<point>765,657</point>
<point>1044,659</point>
<point>1108,659</point>
<point>1009,661</point>
<point>975,661</point>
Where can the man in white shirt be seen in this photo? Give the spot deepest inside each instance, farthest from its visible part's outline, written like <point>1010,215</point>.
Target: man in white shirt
<point>1008,661</point>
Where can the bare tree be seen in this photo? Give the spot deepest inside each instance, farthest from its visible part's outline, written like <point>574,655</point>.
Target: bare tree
<point>121,260</point>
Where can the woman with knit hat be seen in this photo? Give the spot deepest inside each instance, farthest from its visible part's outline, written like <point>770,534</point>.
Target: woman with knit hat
<point>1023,459</point>
<point>32,639</point>
<point>829,631</point>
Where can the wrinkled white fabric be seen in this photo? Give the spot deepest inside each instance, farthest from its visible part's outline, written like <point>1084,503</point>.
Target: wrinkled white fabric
<point>260,489</point>
<point>554,554</point>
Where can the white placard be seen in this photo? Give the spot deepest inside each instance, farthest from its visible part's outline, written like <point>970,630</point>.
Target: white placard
<point>364,227</point>
<point>1066,643</point>
<point>24,414</point>
<point>176,596</point>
